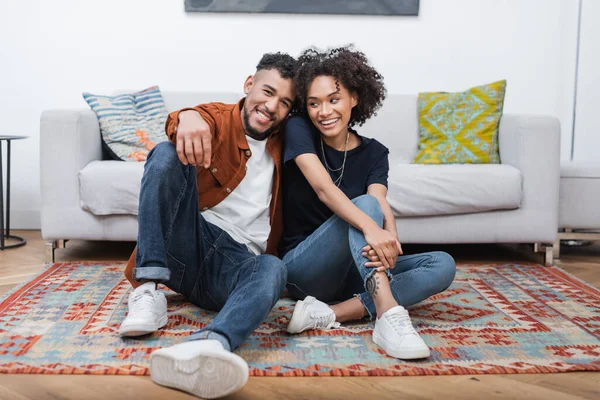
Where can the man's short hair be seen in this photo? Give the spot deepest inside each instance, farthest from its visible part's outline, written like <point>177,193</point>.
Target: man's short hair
<point>285,64</point>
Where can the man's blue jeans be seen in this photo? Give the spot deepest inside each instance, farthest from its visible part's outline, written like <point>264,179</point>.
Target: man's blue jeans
<point>178,247</point>
<point>329,265</point>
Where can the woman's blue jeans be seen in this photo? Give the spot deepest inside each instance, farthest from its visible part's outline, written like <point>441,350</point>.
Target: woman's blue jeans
<point>329,265</point>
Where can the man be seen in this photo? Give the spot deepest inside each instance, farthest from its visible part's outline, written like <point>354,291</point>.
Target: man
<point>210,206</point>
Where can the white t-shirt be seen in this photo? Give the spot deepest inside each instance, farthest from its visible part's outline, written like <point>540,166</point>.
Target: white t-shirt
<point>244,214</point>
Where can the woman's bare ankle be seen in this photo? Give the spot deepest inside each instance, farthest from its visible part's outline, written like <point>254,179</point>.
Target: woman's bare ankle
<point>349,310</point>
<point>378,286</point>
<point>382,309</point>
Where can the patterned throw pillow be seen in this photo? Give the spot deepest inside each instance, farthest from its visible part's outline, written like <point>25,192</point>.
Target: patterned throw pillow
<point>130,124</point>
<point>460,128</point>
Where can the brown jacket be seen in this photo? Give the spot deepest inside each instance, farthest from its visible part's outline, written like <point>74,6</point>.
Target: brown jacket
<point>230,152</point>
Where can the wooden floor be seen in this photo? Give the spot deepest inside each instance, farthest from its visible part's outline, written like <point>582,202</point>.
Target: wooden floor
<point>18,265</point>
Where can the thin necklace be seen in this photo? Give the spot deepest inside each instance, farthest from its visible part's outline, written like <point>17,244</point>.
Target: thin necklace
<point>339,179</point>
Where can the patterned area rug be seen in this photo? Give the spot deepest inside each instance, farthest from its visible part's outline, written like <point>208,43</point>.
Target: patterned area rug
<point>494,319</point>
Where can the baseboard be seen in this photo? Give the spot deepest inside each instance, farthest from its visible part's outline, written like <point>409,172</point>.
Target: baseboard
<point>24,219</point>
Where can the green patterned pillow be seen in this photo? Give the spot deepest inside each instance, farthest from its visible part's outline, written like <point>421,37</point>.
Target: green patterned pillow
<point>460,128</point>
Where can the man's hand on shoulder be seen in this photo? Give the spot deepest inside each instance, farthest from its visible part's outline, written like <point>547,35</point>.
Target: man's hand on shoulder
<point>193,139</point>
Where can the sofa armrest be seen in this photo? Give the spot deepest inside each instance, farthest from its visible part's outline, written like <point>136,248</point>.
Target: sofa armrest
<point>532,145</point>
<point>69,140</point>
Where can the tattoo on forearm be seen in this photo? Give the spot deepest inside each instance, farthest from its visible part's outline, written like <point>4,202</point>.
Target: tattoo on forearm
<point>373,285</point>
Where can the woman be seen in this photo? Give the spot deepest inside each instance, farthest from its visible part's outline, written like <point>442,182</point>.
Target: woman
<point>342,250</point>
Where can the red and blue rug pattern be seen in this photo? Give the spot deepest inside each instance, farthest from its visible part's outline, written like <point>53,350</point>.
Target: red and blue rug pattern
<point>511,318</point>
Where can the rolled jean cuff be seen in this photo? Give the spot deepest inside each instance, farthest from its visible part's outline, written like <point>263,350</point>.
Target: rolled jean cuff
<point>159,274</point>
<point>368,304</point>
<point>210,335</point>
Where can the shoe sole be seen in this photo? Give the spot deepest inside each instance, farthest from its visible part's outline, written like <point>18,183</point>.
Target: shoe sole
<point>208,375</point>
<point>142,329</point>
<point>295,325</point>
<point>403,354</point>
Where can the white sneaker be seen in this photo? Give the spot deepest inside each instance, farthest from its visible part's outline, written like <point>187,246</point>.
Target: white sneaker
<point>147,311</point>
<point>311,313</point>
<point>395,334</point>
<point>200,367</point>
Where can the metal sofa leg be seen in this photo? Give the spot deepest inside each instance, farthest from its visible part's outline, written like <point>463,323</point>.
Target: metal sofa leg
<point>52,245</point>
<point>549,258</point>
<point>548,250</point>
<point>556,249</point>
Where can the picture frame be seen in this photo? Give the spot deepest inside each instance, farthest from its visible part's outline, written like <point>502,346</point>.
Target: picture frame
<point>342,7</point>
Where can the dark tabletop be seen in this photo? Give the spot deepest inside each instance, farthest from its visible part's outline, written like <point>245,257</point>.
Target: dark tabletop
<point>11,137</point>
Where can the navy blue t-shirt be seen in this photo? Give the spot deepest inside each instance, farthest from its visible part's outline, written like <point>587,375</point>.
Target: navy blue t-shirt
<point>303,212</point>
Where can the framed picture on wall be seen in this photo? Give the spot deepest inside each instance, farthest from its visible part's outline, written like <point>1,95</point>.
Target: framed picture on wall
<point>364,7</point>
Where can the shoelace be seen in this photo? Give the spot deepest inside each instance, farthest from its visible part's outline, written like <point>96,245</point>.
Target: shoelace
<point>142,302</point>
<point>401,323</point>
<point>322,321</point>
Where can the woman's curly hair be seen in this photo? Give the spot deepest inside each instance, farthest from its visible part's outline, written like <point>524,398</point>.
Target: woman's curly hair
<point>347,66</point>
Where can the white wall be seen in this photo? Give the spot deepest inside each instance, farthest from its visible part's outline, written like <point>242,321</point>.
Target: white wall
<point>53,51</point>
<point>587,124</point>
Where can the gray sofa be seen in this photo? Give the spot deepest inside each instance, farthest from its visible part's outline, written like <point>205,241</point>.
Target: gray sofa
<point>516,201</point>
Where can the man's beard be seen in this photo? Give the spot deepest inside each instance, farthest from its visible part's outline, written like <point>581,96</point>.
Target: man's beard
<point>253,133</point>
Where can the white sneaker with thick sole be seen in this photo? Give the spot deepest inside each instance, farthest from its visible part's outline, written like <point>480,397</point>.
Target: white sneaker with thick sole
<point>147,311</point>
<point>311,313</point>
<point>395,334</point>
<point>200,367</point>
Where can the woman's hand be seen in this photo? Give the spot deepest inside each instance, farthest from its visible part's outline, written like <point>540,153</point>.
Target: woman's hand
<point>374,261</point>
<point>382,250</point>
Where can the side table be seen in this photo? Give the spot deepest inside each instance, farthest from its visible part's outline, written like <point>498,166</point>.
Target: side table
<point>5,229</point>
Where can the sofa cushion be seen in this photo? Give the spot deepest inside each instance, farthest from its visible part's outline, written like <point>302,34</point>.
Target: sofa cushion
<point>110,187</point>
<point>426,190</point>
<point>461,127</point>
<point>130,124</point>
